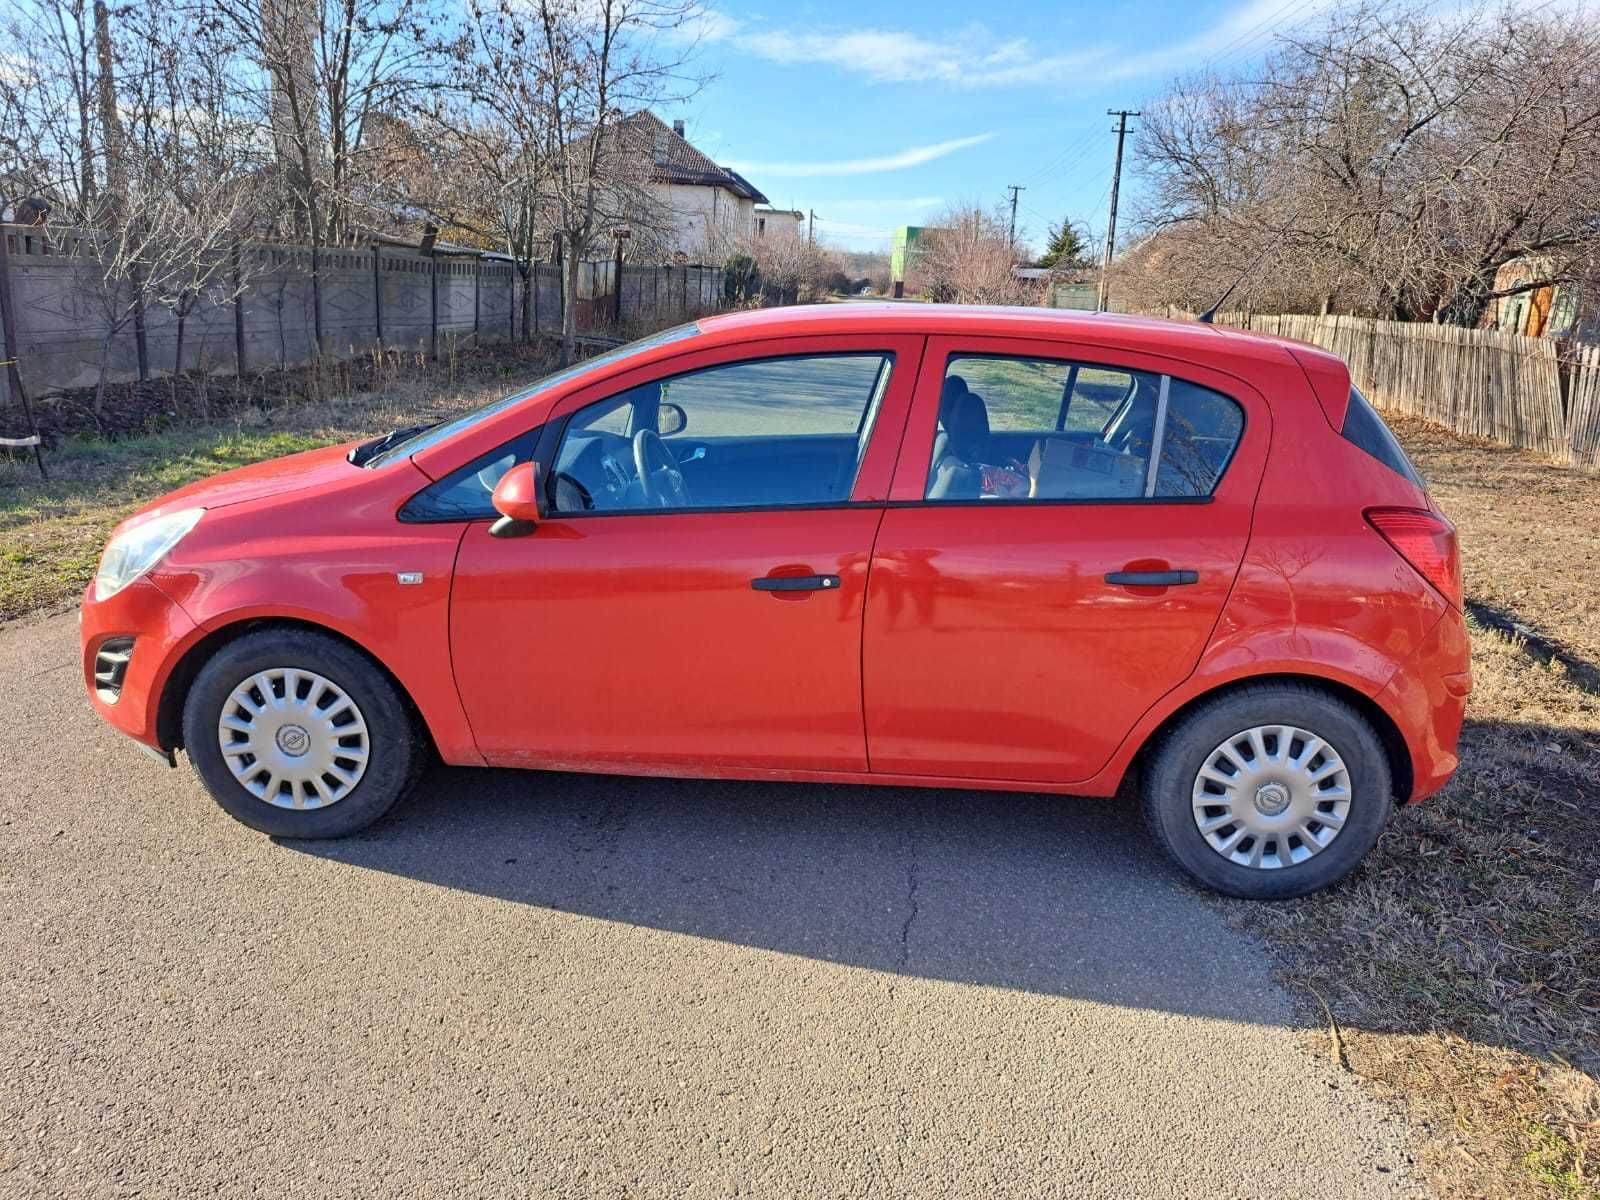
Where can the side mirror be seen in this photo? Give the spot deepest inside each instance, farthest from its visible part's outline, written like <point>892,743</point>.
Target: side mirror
<point>670,419</point>
<point>516,499</point>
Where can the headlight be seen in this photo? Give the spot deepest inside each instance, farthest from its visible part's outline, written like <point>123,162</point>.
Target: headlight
<point>134,551</point>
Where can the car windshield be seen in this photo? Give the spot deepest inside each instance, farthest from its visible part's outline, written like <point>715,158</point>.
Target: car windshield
<point>415,441</point>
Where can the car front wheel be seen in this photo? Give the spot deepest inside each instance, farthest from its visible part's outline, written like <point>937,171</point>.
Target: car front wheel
<point>299,735</point>
<point>1270,791</point>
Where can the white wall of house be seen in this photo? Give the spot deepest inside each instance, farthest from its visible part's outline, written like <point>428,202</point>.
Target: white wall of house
<point>779,221</point>
<point>705,219</point>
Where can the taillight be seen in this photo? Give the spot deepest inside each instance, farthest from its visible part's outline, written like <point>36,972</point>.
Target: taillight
<point>1425,540</point>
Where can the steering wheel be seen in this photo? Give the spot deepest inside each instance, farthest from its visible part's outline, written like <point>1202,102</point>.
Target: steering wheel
<point>660,479</point>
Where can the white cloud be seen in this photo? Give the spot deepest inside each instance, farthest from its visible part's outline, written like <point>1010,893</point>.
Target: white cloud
<point>968,58</point>
<point>975,58</point>
<point>914,156</point>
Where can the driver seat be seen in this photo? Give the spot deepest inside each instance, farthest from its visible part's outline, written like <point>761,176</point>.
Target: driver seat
<point>961,444</point>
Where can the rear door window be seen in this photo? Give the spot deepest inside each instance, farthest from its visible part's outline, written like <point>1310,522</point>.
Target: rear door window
<point>1024,428</point>
<point>1202,431</point>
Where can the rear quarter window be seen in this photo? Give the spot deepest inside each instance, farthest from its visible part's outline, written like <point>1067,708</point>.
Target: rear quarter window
<point>1365,428</point>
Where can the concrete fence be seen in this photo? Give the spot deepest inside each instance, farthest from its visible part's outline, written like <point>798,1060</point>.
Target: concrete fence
<point>394,297</point>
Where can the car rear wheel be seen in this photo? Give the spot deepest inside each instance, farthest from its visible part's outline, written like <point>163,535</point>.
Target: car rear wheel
<point>1270,791</point>
<point>299,735</point>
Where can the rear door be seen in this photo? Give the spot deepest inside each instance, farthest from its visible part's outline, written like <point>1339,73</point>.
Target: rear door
<point>1091,508</point>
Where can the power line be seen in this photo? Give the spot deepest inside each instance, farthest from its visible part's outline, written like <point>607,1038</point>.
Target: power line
<point>1264,29</point>
<point>1075,150</point>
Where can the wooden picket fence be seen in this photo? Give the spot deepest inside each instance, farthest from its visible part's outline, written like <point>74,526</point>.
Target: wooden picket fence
<point>1583,406</point>
<point>1532,393</point>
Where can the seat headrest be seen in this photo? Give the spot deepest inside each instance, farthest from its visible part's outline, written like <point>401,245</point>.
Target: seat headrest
<point>965,418</point>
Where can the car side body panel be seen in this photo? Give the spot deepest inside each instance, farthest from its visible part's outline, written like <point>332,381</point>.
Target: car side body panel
<point>339,567</point>
<point>1317,592</point>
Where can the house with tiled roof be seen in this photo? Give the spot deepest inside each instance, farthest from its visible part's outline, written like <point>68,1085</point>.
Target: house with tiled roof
<point>708,208</point>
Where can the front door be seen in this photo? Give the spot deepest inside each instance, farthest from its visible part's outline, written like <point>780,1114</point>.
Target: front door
<point>693,600</point>
<point>1066,528</point>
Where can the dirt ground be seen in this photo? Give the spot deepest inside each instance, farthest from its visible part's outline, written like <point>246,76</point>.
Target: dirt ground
<point>1459,968</point>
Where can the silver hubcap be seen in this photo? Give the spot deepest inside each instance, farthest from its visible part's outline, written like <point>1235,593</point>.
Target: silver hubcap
<point>1271,796</point>
<point>293,738</point>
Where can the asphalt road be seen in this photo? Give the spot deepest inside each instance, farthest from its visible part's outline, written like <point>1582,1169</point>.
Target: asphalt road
<point>526,984</point>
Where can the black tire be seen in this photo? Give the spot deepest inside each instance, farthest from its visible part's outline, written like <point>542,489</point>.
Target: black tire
<point>397,746</point>
<point>1175,763</point>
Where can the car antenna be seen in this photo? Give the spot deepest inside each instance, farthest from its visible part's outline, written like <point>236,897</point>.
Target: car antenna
<point>1209,317</point>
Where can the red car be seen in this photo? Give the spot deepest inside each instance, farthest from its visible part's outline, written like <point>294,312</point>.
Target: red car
<point>899,544</point>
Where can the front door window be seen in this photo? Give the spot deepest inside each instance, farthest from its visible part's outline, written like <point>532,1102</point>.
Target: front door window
<point>765,433</point>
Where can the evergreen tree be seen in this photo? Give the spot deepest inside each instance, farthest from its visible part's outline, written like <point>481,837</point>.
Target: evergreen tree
<point>1066,248</point>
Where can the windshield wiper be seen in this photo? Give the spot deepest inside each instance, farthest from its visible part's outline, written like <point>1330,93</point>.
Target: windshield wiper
<point>363,454</point>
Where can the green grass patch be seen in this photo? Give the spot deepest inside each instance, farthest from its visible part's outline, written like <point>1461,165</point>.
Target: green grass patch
<point>1557,1163</point>
<point>51,532</point>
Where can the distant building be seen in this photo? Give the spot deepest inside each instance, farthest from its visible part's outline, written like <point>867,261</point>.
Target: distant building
<point>779,221</point>
<point>710,207</point>
<point>905,255</point>
<point>1549,310</point>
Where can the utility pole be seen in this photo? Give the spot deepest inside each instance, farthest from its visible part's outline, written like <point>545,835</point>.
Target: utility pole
<point>1012,239</point>
<point>811,227</point>
<point>1122,115</point>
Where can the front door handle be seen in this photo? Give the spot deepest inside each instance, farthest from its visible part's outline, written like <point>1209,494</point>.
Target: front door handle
<point>795,583</point>
<point>1152,578</point>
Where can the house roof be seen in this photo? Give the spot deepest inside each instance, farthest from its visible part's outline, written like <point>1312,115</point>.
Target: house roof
<point>676,161</point>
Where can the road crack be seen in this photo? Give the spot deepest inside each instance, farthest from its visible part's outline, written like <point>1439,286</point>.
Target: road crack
<point>912,882</point>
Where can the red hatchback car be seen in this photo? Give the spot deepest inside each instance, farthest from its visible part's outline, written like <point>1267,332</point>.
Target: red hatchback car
<point>897,544</point>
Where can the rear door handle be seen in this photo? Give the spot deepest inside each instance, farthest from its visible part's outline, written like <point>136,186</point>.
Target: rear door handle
<point>1152,578</point>
<point>795,583</point>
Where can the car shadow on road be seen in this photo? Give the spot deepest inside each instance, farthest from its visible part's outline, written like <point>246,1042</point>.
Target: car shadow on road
<point>1054,895</point>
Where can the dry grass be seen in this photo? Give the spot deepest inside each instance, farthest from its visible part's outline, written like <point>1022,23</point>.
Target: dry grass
<point>1462,962</point>
<point>1530,530</point>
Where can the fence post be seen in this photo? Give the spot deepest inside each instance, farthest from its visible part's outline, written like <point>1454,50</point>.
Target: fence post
<point>433,305</point>
<point>316,291</point>
<point>238,316</point>
<point>141,345</point>
<point>377,293</point>
<point>13,347</point>
<point>477,293</point>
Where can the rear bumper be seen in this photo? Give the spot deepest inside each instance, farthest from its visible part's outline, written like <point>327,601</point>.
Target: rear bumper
<point>1428,699</point>
<point>161,631</point>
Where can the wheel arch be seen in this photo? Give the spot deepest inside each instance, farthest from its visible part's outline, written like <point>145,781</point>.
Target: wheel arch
<point>175,692</point>
<point>1395,750</point>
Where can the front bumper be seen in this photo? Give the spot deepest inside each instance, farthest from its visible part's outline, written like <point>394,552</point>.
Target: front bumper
<point>1428,699</point>
<point>161,632</point>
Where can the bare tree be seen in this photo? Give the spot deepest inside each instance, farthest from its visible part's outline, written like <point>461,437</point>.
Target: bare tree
<point>967,258</point>
<point>159,247</point>
<point>49,140</point>
<point>318,73</point>
<point>478,165</point>
<point>1390,161</point>
<point>789,267</point>
<point>190,141</point>
<point>601,62</point>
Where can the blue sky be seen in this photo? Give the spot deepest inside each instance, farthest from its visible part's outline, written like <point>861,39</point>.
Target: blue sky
<point>878,114</point>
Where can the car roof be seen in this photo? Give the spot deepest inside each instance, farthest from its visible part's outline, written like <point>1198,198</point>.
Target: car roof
<point>1154,334</point>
